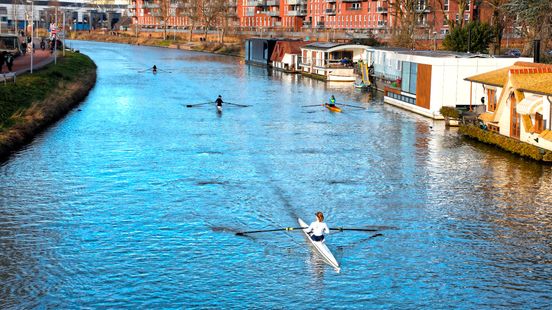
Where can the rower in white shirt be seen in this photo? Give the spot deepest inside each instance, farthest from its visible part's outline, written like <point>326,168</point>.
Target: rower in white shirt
<point>318,228</point>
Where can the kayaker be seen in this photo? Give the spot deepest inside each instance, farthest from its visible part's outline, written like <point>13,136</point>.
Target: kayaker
<point>154,69</point>
<point>332,101</point>
<point>219,101</point>
<point>318,228</point>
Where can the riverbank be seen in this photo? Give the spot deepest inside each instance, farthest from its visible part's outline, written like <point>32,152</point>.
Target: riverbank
<point>506,143</point>
<point>38,100</point>
<point>233,47</point>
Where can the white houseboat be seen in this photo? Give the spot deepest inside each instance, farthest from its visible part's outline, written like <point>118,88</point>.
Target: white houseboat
<point>425,81</point>
<point>332,61</point>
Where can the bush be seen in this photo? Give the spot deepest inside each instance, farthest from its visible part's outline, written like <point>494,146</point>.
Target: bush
<point>507,143</point>
<point>481,37</point>
<point>450,112</point>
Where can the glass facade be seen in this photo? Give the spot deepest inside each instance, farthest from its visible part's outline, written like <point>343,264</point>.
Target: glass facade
<point>408,77</point>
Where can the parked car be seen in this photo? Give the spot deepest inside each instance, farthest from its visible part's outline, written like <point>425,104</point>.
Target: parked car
<point>513,52</point>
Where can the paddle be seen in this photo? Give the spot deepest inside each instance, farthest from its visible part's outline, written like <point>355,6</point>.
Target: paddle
<point>311,105</point>
<point>196,104</point>
<point>243,233</point>
<point>352,106</point>
<point>239,105</point>
<point>353,229</point>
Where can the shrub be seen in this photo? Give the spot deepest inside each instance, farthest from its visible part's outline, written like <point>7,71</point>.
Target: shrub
<point>506,143</point>
<point>451,112</point>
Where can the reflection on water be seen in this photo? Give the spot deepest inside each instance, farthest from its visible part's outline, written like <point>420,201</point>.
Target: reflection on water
<point>134,201</point>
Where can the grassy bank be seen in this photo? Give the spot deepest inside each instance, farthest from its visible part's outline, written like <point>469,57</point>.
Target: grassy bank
<point>233,47</point>
<point>506,143</point>
<point>38,99</point>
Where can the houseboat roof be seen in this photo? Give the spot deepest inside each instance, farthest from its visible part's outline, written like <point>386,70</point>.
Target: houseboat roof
<point>331,46</point>
<point>524,76</point>
<point>286,47</point>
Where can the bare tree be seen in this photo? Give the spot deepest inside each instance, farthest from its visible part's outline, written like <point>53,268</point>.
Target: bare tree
<point>191,10</point>
<point>211,11</point>
<point>498,21</point>
<point>534,19</point>
<point>457,21</point>
<point>162,11</point>
<point>408,15</point>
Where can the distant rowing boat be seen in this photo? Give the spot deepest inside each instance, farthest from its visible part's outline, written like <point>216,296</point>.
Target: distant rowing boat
<point>333,109</point>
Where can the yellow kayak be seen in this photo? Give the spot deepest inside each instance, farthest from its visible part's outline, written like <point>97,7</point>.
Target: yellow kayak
<point>333,109</point>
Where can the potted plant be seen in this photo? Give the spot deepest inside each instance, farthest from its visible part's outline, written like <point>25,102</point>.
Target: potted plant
<point>451,115</point>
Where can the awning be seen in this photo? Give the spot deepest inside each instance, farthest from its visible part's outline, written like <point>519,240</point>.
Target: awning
<point>530,105</point>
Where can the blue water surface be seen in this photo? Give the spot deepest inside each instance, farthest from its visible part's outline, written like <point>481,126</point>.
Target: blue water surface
<point>133,200</point>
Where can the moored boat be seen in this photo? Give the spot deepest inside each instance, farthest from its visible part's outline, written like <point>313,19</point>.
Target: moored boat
<point>320,247</point>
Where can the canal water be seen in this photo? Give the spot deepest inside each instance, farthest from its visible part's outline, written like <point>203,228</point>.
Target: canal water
<point>133,199</point>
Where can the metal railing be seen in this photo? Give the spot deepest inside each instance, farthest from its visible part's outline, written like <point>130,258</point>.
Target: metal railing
<point>273,3</point>
<point>296,2</point>
<point>297,13</point>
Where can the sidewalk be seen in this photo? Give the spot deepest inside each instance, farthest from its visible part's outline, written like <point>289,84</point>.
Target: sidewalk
<point>22,64</point>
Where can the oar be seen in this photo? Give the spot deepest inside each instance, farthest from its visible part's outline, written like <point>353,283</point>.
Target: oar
<point>163,70</point>
<point>352,106</point>
<point>311,105</point>
<point>239,105</point>
<point>353,229</point>
<point>267,230</point>
<point>197,104</point>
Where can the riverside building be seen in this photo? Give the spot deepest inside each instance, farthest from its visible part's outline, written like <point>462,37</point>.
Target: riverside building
<point>375,17</point>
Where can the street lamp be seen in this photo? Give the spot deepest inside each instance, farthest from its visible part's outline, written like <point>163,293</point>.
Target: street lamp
<point>32,34</point>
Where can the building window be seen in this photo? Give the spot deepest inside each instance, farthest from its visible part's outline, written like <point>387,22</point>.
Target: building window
<point>539,123</point>
<point>355,6</point>
<point>491,99</point>
<point>446,5</point>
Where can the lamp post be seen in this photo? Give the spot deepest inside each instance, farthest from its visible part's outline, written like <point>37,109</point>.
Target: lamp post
<point>32,35</point>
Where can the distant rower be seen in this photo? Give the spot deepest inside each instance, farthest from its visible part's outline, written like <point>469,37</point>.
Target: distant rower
<point>154,69</point>
<point>219,102</point>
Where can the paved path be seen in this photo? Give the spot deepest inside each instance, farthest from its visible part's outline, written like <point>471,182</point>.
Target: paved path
<point>22,64</point>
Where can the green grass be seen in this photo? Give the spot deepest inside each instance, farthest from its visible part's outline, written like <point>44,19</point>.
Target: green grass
<point>36,87</point>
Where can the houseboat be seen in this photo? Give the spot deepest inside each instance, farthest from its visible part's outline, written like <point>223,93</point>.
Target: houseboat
<point>258,51</point>
<point>286,55</point>
<point>518,101</point>
<point>425,81</point>
<point>332,61</point>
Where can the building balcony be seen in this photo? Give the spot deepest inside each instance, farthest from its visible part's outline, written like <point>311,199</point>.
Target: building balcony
<point>330,11</point>
<point>382,10</point>
<point>271,13</point>
<point>297,13</point>
<point>132,6</point>
<point>320,25</point>
<point>296,2</point>
<point>150,5</point>
<point>251,3</point>
<point>422,9</point>
<point>307,24</point>
<point>249,14</point>
<point>381,24</point>
<point>273,2</point>
<point>278,24</point>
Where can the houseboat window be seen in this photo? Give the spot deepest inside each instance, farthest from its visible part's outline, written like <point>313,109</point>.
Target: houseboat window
<point>539,123</point>
<point>409,76</point>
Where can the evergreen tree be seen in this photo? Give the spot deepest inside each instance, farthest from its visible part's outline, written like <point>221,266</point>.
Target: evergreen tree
<point>477,35</point>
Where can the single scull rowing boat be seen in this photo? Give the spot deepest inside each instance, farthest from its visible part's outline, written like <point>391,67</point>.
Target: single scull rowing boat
<point>320,247</point>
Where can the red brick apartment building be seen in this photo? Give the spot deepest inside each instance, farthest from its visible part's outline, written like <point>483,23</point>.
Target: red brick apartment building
<point>370,16</point>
